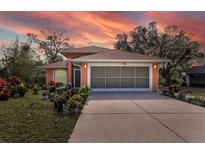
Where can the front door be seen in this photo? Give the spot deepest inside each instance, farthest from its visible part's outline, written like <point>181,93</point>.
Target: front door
<point>76,75</point>
<point>77,78</point>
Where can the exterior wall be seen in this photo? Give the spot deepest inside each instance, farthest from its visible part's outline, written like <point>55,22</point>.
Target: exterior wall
<point>49,74</point>
<point>155,77</point>
<point>75,55</point>
<point>84,74</point>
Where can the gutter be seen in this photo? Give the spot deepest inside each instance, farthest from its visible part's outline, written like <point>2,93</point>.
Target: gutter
<point>117,60</point>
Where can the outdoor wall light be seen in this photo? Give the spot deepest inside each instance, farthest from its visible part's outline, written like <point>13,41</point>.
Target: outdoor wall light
<point>155,66</point>
<point>85,66</point>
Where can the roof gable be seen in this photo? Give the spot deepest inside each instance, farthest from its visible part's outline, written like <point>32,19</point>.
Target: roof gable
<point>87,49</point>
<point>60,64</point>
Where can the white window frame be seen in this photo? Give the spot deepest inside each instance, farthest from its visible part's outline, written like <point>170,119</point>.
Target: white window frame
<point>121,65</point>
<point>66,81</point>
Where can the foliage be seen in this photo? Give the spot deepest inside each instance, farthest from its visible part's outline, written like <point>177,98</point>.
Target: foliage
<point>51,42</point>
<point>83,89</point>
<point>173,44</point>
<point>19,59</point>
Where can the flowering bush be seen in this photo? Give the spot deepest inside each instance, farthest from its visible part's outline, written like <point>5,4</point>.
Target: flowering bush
<point>51,83</point>
<point>13,81</point>
<point>16,86</point>
<point>4,93</point>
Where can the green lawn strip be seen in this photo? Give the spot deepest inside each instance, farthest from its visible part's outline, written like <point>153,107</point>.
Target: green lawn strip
<point>30,119</point>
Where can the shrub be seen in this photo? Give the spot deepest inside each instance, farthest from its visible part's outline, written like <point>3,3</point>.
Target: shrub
<point>189,98</point>
<point>18,90</point>
<point>83,89</point>
<point>78,98</point>
<point>75,106</point>
<point>52,89</point>
<point>165,90</point>
<point>75,103</point>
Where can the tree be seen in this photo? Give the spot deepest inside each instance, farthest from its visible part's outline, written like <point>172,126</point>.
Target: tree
<point>174,44</point>
<point>19,59</point>
<point>52,42</point>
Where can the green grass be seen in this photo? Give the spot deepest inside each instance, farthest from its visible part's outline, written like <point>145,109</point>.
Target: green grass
<point>30,119</point>
<point>196,91</point>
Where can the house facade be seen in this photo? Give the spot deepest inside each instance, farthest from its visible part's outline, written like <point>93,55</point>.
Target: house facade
<point>103,69</point>
<point>196,76</point>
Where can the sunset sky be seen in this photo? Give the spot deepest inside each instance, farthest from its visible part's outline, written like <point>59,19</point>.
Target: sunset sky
<point>96,28</point>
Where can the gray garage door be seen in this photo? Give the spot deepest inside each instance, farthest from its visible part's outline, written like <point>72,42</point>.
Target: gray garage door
<point>119,77</point>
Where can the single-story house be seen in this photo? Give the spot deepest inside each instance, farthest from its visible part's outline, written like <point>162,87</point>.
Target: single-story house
<point>106,69</point>
<point>196,76</point>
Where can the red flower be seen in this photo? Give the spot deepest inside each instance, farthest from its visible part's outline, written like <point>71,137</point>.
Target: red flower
<point>51,83</point>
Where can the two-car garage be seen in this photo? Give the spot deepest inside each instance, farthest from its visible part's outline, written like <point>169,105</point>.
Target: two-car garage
<point>120,77</point>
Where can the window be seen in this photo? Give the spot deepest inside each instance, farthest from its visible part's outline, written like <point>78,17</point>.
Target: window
<point>60,76</point>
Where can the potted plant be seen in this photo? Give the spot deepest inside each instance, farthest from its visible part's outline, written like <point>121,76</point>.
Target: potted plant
<point>45,95</point>
<point>35,90</point>
<point>4,94</point>
<point>75,104</point>
<point>59,101</point>
<point>14,91</point>
<point>176,91</point>
<point>21,89</point>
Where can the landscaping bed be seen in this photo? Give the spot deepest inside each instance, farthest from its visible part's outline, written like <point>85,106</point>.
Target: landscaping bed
<point>191,95</point>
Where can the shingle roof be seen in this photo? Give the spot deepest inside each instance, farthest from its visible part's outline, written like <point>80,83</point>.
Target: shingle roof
<point>116,55</point>
<point>197,69</point>
<point>87,49</point>
<point>60,64</point>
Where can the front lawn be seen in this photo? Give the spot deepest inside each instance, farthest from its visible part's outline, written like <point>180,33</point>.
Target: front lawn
<point>197,92</point>
<point>30,119</point>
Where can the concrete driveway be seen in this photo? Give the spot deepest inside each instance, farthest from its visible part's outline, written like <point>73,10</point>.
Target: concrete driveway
<point>138,117</point>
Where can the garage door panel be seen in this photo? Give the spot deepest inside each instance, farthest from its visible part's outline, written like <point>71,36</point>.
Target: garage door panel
<point>97,71</point>
<point>127,71</point>
<point>112,83</point>
<point>141,71</point>
<point>112,71</point>
<point>97,82</point>
<point>141,82</point>
<point>127,83</point>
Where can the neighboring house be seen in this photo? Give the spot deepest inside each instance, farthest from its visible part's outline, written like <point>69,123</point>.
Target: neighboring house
<point>196,76</point>
<point>106,69</point>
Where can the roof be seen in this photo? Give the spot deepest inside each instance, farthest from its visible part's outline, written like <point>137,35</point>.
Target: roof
<point>60,64</point>
<point>87,49</point>
<point>118,56</point>
<point>197,69</point>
